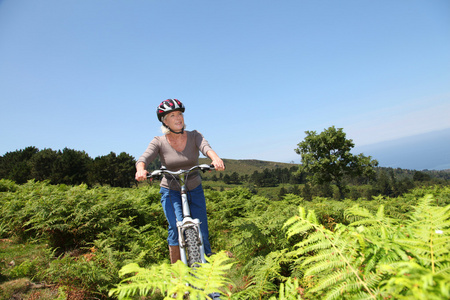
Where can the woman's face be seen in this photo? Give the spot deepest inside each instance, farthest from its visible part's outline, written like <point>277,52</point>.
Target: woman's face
<point>175,120</point>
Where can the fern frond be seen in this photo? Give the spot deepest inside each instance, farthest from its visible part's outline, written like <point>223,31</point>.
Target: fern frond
<point>339,290</point>
<point>174,279</point>
<point>323,267</point>
<point>314,242</point>
<point>264,272</point>
<point>367,219</point>
<point>289,290</point>
<point>444,268</point>
<point>410,280</point>
<point>380,212</point>
<point>210,277</point>
<point>143,283</point>
<point>332,280</point>
<point>358,212</point>
<point>298,227</point>
<point>429,229</point>
<point>343,287</point>
<point>334,255</point>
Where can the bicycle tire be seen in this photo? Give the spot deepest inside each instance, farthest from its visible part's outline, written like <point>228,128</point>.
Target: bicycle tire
<point>192,247</point>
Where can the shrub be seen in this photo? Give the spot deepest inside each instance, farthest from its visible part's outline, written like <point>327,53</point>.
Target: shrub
<point>371,256</point>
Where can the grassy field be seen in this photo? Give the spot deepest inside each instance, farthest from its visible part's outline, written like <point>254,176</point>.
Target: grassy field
<point>248,166</point>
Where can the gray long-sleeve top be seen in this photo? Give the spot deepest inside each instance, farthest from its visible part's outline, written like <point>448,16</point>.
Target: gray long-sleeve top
<point>174,160</point>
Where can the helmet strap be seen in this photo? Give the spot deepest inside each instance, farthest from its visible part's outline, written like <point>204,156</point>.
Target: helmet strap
<point>180,132</point>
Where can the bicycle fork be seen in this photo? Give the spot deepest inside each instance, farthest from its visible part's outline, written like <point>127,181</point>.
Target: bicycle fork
<point>186,223</point>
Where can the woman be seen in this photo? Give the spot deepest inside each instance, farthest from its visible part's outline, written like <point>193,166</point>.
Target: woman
<point>179,149</point>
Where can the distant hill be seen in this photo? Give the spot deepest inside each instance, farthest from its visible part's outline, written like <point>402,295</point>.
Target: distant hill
<point>429,151</point>
<point>248,166</point>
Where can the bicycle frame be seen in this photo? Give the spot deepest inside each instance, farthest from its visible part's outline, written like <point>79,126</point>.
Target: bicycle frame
<point>187,222</point>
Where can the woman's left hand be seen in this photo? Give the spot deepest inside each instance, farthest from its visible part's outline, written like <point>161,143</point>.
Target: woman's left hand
<point>218,164</point>
<point>215,160</point>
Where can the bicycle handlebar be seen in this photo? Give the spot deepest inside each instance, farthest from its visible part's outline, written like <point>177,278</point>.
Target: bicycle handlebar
<point>163,170</point>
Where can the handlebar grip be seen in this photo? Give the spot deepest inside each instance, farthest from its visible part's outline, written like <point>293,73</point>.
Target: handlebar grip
<point>205,167</point>
<point>213,167</point>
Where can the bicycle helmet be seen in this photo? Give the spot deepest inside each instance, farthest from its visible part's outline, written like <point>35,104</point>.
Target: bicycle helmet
<point>168,106</point>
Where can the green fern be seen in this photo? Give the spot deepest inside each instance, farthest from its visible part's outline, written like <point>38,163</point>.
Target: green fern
<point>376,256</point>
<point>426,272</point>
<point>336,264</point>
<point>410,280</point>
<point>176,279</point>
<point>263,271</point>
<point>429,224</point>
<point>290,290</point>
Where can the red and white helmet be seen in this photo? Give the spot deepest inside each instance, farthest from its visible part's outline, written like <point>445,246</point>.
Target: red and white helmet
<point>168,106</point>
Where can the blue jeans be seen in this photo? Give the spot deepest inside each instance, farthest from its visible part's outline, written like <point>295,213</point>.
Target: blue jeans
<point>171,203</point>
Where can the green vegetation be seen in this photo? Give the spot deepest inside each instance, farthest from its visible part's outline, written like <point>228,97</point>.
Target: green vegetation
<point>68,167</point>
<point>73,227</point>
<point>59,240</point>
<point>326,158</point>
<point>268,179</point>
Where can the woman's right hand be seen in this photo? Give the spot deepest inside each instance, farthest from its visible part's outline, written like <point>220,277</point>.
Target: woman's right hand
<point>141,175</point>
<point>141,172</point>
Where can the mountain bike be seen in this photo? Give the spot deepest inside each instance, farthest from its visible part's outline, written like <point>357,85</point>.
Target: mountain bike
<point>190,237</point>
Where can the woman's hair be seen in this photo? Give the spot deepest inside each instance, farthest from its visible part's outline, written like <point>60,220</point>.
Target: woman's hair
<point>166,130</point>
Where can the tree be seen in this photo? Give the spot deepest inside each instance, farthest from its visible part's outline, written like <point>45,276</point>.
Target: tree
<point>42,164</point>
<point>125,169</point>
<point>16,165</point>
<point>234,178</point>
<point>282,193</point>
<point>306,192</point>
<point>226,179</point>
<point>421,176</point>
<point>326,158</point>
<point>112,169</point>
<point>71,167</point>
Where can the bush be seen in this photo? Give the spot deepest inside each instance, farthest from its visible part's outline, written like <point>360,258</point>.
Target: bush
<point>7,185</point>
<point>93,232</point>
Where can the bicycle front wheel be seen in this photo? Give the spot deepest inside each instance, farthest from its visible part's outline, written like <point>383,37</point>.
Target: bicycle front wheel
<point>192,247</point>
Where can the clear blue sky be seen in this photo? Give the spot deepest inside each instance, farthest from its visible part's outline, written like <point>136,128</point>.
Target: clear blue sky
<point>253,74</point>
